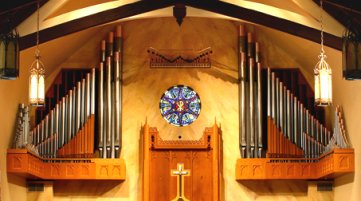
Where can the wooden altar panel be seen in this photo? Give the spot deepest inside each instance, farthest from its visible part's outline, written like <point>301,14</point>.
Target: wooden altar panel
<point>160,162</point>
<point>202,181</point>
<point>200,157</point>
<point>198,186</point>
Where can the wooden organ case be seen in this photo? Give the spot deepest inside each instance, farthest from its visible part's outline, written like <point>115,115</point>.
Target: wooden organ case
<point>78,132</point>
<point>282,134</point>
<point>200,161</point>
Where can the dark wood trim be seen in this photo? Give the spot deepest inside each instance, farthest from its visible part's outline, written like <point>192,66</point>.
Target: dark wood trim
<point>150,5</point>
<point>349,5</point>
<point>121,12</point>
<point>17,15</point>
<point>268,21</point>
<point>348,13</point>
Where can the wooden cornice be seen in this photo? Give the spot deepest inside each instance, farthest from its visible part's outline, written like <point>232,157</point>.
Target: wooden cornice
<point>215,6</point>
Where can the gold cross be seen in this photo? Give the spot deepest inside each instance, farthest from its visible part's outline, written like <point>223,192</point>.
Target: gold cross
<point>180,172</point>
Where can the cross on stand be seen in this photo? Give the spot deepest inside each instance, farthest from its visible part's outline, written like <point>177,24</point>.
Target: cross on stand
<point>180,172</point>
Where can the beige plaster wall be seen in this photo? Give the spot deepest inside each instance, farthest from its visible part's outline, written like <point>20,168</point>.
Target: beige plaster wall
<point>142,89</point>
<point>347,94</point>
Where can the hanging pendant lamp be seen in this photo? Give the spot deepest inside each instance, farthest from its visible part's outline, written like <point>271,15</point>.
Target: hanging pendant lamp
<point>37,74</point>
<point>323,75</point>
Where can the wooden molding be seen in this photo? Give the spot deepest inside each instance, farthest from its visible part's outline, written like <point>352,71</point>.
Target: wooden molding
<point>24,163</point>
<point>330,165</point>
<point>156,142</point>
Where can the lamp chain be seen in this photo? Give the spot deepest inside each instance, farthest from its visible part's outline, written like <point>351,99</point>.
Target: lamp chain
<point>37,52</point>
<point>321,20</point>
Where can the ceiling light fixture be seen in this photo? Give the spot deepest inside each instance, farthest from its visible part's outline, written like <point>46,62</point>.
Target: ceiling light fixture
<point>37,74</point>
<point>323,74</point>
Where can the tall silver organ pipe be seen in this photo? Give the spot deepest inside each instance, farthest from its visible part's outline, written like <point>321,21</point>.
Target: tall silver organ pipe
<point>92,110</point>
<point>243,104</point>
<point>259,108</point>
<point>251,107</point>
<point>109,108</point>
<point>288,114</point>
<point>117,105</point>
<point>88,96</point>
<point>70,115</point>
<point>78,106</point>
<point>73,125</point>
<point>83,102</point>
<point>101,136</point>
<point>242,92</point>
<point>63,119</point>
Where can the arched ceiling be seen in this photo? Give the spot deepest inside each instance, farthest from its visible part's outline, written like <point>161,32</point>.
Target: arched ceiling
<point>297,17</point>
<point>75,22</point>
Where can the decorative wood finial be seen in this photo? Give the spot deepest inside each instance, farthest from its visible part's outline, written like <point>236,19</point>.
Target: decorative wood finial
<point>179,12</point>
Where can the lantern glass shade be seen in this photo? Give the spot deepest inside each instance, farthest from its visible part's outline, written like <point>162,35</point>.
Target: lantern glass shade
<point>9,56</point>
<point>37,83</point>
<point>351,55</point>
<point>323,83</point>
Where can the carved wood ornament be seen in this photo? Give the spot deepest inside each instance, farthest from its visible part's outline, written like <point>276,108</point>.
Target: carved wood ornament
<point>179,58</point>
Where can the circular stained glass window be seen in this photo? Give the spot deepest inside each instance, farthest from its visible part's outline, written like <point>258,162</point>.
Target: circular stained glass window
<point>180,105</point>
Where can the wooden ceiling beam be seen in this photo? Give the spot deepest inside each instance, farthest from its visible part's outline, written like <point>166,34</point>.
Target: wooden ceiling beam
<point>107,16</point>
<point>215,6</point>
<point>345,12</point>
<point>349,5</point>
<point>273,22</point>
<point>15,12</point>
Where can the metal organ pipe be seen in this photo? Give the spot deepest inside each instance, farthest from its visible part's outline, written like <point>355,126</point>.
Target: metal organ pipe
<point>251,107</point>
<point>109,108</point>
<point>117,104</point>
<point>259,108</point>
<point>101,135</point>
<point>243,105</point>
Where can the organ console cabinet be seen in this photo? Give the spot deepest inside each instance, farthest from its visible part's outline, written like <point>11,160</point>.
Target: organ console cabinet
<point>182,169</point>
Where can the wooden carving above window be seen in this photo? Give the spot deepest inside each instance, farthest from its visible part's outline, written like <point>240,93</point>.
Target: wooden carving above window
<point>180,58</point>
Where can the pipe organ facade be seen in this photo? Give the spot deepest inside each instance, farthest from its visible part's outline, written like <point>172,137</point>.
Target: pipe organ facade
<point>277,129</point>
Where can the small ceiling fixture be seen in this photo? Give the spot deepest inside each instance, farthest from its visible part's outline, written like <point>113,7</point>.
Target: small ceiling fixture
<point>9,54</point>
<point>37,74</point>
<point>323,74</point>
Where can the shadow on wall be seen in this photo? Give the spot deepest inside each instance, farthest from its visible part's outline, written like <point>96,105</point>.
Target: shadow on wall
<point>281,187</point>
<point>89,189</point>
<point>346,179</point>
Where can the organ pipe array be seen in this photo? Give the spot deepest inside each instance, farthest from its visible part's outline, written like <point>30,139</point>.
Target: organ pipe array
<point>109,96</point>
<point>292,131</point>
<point>68,130</point>
<point>250,97</point>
